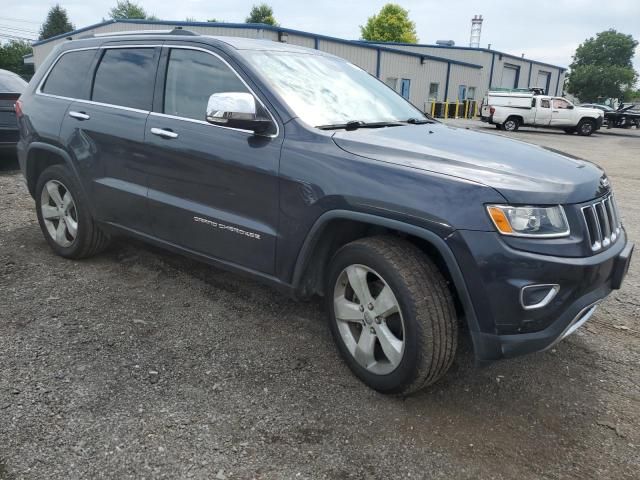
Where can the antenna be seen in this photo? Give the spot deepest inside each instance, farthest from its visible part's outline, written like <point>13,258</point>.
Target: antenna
<point>476,30</point>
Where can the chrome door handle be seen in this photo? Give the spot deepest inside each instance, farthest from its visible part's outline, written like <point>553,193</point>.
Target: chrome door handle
<point>79,115</point>
<point>164,133</point>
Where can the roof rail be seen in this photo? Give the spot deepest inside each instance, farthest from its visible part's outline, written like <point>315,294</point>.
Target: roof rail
<point>174,31</point>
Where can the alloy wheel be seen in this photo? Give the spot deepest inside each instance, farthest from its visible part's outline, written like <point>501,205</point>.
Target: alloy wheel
<point>59,213</point>
<point>369,319</point>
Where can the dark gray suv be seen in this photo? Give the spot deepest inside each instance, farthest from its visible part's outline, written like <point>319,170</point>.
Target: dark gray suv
<point>304,171</point>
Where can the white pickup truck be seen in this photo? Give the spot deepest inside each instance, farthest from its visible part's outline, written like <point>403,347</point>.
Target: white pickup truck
<point>512,109</point>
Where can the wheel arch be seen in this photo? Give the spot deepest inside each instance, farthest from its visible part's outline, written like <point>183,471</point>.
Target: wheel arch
<point>338,227</point>
<point>40,156</point>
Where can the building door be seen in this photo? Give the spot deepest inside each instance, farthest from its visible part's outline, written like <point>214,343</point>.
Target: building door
<point>543,81</point>
<point>462,92</point>
<point>405,85</point>
<point>510,74</point>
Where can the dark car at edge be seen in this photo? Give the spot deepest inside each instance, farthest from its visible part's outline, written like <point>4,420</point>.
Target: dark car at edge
<point>302,170</point>
<point>11,87</point>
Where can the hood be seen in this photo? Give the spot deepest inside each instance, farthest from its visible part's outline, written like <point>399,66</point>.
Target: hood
<point>521,172</point>
<point>589,111</point>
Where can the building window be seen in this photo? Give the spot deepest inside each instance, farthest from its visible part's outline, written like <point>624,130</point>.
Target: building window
<point>433,91</point>
<point>392,82</point>
<point>405,86</point>
<point>471,93</point>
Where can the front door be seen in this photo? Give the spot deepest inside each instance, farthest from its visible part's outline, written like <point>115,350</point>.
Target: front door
<point>106,134</point>
<point>561,113</point>
<point>212,190</point>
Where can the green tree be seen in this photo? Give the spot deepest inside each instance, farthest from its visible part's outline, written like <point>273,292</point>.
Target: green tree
<point>602,67</point>
<point>11,54</point>
<point>126,9</point>
<point>56,23</point>
<point>262,13</point>
<point>391,24</point>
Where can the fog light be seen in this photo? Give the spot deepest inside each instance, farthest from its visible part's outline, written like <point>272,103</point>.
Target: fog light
<point>538,296</point>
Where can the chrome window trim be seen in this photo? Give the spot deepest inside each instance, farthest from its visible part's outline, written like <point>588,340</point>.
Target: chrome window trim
<point>188,47</point>
<point>158,114</point>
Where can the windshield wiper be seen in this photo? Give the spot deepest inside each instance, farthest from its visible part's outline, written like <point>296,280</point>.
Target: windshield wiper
<point>356,124</point>
<point>418,121</point>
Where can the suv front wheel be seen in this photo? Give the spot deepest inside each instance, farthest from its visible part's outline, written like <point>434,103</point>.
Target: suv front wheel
<point>64,216</point>
<point>391,314</point>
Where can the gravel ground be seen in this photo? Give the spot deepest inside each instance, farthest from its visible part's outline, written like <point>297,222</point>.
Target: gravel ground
<point>143,364</point>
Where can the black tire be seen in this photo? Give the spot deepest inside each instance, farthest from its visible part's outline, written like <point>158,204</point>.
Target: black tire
<point>570,131</point>
<point>511,124</point>
<point>586,127</point>
<point>90,238</point>
<point>426,305</point>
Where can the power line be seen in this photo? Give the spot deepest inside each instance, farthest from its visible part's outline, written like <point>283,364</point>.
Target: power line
<point>19,20</point>
<point>17,30</point>
<point>15,37</point>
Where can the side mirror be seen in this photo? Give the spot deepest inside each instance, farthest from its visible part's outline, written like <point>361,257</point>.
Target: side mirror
<point>570,107</point>
<point>236,110</point>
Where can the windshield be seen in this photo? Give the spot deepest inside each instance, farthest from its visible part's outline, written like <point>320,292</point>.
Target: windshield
<point>11,83</point>
<point>324,90</point>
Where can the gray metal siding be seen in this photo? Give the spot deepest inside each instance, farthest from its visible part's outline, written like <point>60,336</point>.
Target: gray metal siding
<point>365,58</point>
<point>400,66</point>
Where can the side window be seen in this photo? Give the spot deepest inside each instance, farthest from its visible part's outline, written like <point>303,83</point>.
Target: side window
<point>560,104</point>
<point>544,103</point>
<point>192,77</point>
<point>69,74</point>
<point>125,77</point>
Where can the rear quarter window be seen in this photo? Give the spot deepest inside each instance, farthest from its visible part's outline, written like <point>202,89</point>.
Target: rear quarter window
<point>69,75</point>
<point>125,77</point>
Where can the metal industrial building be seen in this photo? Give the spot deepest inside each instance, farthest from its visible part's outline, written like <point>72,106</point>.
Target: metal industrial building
<point>422,73</point>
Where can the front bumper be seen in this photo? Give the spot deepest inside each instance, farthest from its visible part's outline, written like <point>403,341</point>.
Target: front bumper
<point>495,273</point>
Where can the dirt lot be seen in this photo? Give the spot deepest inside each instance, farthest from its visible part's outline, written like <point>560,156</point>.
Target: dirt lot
<point>143,364</point>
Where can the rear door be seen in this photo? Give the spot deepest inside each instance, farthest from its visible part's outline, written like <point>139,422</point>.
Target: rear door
<point>106,133</point>
<point>212,189</point>
<point>543,112</point>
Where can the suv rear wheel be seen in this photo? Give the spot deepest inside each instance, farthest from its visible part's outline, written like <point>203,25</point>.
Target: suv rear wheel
<point>391,314</point>
<point>64,217</point>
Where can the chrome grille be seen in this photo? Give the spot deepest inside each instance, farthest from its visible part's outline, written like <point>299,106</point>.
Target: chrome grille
<point>603,222</point>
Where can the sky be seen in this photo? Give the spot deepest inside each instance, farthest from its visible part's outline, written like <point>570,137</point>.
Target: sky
<point>544,30</point>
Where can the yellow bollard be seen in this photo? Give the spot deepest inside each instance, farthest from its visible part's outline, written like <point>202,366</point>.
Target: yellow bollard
<point>457,107</point>
<point>477,113</point>
<point>466,109</point>
<point>446,110</point>
<point>433,109</point>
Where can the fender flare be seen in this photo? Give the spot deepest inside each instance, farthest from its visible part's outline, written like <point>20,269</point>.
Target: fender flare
<point>434,239</point>
<point>66,160</point>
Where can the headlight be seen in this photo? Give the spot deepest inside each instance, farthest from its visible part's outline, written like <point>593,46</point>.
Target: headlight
<point>529,221</point>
